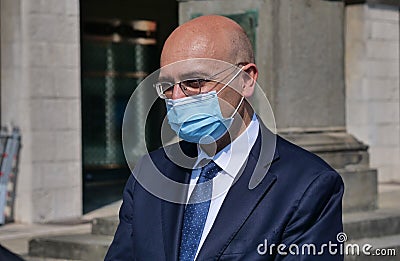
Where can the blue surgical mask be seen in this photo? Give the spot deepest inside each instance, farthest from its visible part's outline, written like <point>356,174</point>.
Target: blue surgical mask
<point>198,118</point>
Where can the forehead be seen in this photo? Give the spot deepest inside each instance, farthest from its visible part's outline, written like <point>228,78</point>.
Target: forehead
<point>188,42</point>
<point>193,68</point>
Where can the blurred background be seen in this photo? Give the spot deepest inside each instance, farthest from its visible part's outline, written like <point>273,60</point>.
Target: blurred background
<point>330,70</point>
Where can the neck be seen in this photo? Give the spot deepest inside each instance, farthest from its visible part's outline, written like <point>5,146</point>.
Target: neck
<point>241,121</point>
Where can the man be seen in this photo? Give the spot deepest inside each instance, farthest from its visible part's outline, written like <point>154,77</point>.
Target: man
<point>294,202</point>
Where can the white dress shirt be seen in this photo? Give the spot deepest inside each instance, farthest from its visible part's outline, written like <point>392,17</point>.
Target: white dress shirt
<point>230,159</point>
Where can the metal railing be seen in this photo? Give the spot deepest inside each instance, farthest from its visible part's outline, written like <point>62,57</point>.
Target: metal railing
<point>9,156</point>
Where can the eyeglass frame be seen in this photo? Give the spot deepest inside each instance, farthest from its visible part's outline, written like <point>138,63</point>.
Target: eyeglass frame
<point>208,79</point>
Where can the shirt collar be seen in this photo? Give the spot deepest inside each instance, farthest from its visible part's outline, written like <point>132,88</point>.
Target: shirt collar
<point>232,157</point>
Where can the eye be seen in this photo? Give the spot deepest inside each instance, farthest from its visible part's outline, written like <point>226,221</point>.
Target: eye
<point>195,84</point>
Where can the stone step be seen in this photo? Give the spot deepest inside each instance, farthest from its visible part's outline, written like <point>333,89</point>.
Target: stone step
<point>76,247</point>
<point>359,227</point>
<point>378,223</point>
<point>105,226</point>
<point>94,247</point>
<point>338,148</point>
<point>361,189</point>
<point>388,245</point>
<point>34,258</point>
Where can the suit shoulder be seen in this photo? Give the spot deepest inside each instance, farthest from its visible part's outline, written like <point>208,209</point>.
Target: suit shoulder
<point>300,165</point>
<point>302,170</point>
<point>299,156</point>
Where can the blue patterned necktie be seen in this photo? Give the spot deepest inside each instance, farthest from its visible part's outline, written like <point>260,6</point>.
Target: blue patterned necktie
<point>196,214</point>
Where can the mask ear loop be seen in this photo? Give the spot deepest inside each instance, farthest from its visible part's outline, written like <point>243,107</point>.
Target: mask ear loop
<point>241,100</point>
<point>233,78</point>
<point>237,107</point>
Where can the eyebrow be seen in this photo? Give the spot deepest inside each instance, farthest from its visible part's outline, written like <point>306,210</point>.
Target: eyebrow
<point>185,76</point>
<point>191,75</point>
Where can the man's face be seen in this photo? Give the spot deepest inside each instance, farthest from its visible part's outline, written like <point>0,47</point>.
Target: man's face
<point>215,38</point>
<point>195,76</point>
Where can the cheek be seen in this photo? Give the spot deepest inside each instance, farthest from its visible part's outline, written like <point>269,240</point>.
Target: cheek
<point>229,104</point>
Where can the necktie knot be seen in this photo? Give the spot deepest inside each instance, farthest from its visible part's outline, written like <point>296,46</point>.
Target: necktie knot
<point>209,171</point>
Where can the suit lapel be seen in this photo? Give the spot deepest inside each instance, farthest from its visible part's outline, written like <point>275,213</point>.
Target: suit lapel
<point>172,213</point>
<point>243,196</point>
<point>172,219</point>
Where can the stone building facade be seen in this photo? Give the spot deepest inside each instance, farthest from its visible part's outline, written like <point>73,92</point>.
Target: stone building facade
<point>372,83</point>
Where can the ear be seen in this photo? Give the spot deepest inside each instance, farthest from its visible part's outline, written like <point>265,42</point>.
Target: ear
<point>249,79</point>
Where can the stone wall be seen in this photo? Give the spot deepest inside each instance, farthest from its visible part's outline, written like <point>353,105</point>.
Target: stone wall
<point>299,54</point>
<point>372,84</point>
<point>40,93</point>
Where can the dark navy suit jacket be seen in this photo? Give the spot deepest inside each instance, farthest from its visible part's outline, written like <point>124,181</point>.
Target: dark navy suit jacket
<point>7,255</point>
<point>298,202</point>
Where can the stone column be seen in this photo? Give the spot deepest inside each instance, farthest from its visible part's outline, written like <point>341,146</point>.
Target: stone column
<point>40,93</point>
<point>373,83</point>
<point>299,47</point>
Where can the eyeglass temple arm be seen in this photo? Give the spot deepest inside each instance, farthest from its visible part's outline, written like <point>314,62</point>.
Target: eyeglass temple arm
<point>241,64</point>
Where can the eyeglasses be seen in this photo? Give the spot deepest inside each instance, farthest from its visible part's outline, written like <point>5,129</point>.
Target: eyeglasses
<point>194,86</point>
